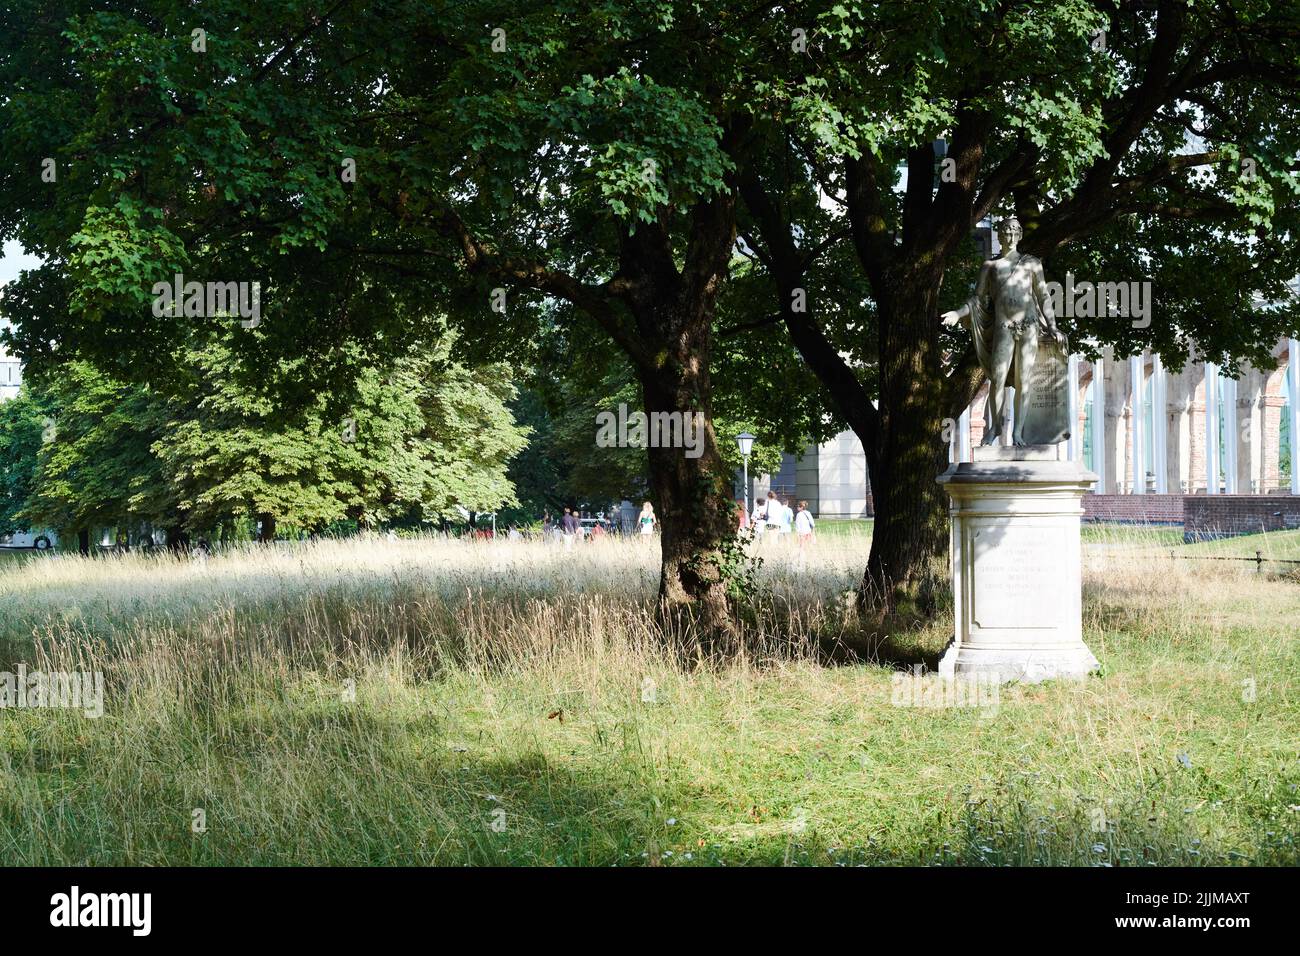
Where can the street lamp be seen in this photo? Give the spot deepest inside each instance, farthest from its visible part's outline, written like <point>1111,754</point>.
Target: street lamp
<point>745,442</point>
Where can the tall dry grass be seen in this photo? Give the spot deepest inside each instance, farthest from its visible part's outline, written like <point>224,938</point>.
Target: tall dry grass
<point>374,701</point>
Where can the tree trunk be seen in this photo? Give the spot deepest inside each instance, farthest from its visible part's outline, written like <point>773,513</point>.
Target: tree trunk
<point>902,433</point>
<point>910,536</point>
<point>910,451</point>
<point>670,344</point>
<point>83,541</point>
<point>266,528</point>
<point>178,540</point>
<point>658,308</point>
<point>690,493</point>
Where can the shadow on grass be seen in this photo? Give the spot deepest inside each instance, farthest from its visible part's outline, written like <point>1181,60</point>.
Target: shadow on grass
<point>897,651</point>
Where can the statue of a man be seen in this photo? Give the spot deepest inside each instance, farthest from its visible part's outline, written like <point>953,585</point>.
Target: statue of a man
<point>1009,312</point>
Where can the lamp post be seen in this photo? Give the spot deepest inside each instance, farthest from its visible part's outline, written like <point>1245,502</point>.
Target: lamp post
<point>745,442</point>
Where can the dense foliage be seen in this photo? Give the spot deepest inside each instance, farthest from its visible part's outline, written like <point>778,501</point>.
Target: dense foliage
<point>419,440</point>
<point>591,167</point>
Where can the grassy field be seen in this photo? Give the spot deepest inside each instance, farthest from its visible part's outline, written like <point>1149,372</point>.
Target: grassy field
<point>428,701</point>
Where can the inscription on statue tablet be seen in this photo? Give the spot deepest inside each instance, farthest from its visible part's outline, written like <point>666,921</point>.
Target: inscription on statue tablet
<point>1047,415</point>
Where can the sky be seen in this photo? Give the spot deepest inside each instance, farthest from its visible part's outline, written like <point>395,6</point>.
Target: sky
<point>14,260</point>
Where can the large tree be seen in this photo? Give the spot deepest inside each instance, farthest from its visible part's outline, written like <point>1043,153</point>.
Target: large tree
<point>1148,141</point>
<point>360,159</point>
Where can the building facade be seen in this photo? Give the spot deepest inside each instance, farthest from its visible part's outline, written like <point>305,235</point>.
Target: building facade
<point>11,371</point>
<point>1142,429</point>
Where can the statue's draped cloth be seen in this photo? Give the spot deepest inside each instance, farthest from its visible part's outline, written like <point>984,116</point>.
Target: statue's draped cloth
<point>1047,418</point>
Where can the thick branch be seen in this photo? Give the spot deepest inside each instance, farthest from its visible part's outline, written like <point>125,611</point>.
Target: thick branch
<point>788,269</point>
<point>599,302</point>
<point>866,203</point>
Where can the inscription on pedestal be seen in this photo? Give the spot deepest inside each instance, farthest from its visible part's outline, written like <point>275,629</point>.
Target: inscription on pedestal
<point>1016,580</point>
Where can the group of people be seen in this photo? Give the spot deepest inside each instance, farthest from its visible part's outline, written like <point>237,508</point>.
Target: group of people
<point>775,517</point>
<point>569,527</point>
<point>772,516</point>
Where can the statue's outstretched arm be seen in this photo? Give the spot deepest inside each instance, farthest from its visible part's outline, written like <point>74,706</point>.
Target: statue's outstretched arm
<point>977,307</point>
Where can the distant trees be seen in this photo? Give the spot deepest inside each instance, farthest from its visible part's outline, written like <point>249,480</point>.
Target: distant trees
<point>22,424</point>
<point>94,466</point>
<point>410,441</point>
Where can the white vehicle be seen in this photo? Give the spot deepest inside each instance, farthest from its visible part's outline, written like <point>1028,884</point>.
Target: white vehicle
<point>40,540</point>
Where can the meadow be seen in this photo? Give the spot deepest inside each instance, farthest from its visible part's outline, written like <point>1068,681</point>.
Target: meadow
<point>436,701</point>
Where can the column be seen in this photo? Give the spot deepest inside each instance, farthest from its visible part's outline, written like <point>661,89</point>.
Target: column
<point>1099,426</point>
<point>963,436</point>
<point>1074,444</point>
<point>1182,477</point>
<point>1179,476</point>
<point>1211,428</point>
<point>1271,410</point>
<point>1138,469</point>
<point>1228,388</point>
<point>1159,424</point>
<point>1009,403</point>
<point>1293,367</point>
<point>1250,464</point>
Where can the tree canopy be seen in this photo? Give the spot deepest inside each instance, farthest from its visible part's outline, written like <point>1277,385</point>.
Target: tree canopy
<point>417,440</point>
<point>594,165</point>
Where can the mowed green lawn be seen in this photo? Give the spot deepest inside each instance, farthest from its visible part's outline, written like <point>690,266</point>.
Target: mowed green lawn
<point>1284,544</point>
<point>845,527</point>
<point>512,703</point>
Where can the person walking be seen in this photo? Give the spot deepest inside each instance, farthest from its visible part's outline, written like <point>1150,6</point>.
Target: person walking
<point>647,521</point>
<point>569,525</point>
<point>787,518</point>
<point>804,525</point>
<point>773,512</point>
<point>758,520</point>
<point>742,516</point>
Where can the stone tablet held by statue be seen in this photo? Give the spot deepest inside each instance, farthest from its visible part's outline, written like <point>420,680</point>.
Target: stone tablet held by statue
<point>1047,413</point>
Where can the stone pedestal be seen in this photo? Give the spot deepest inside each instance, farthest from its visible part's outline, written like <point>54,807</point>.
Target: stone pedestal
<point>1016,564</point>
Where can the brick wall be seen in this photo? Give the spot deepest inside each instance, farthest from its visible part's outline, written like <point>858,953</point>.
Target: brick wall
<point>1221,516</point>
<point>1138,509</point>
